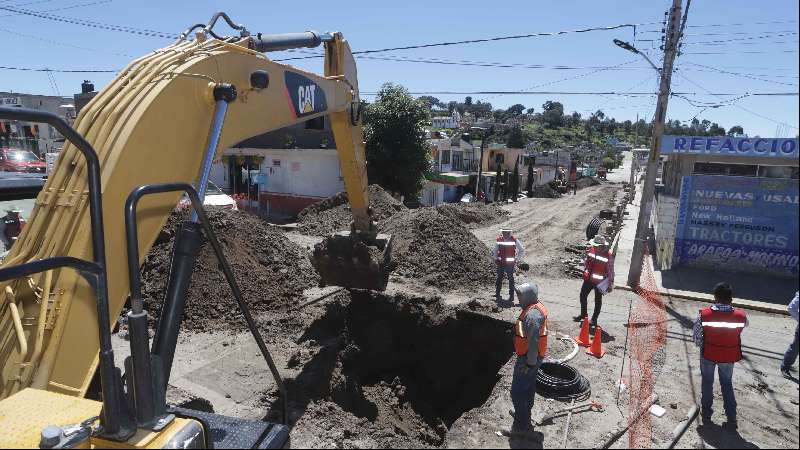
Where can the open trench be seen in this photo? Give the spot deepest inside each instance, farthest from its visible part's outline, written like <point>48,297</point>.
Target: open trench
<point>408,365</point>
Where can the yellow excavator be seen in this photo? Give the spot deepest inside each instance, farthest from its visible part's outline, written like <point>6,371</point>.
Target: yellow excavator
<point>144,141</point>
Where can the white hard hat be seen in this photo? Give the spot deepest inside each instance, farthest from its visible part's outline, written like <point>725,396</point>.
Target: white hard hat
<point>599,240</point>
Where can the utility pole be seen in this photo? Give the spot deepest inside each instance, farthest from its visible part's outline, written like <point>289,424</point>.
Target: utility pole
<point>633,158</point>
<point>648,190</point>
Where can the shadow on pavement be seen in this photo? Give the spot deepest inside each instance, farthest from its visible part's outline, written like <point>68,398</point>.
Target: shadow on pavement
<point>747,286</point>
<point>719,437</point>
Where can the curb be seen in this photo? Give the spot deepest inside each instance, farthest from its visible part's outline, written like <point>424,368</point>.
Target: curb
<point>744,304</point>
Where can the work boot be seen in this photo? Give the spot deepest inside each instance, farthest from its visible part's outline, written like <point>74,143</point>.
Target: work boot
<point>705,420</point>
<point>578,318</point>
<point>731,425</point>
<point>787,373</point>
<point>593,322</point>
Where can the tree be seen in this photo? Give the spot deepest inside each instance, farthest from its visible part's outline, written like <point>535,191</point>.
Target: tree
<point>529,181</point>
<point>506,185</point>
<point>515,138</point>
<point>515,181</point>
<point>497,177</point>
<point>553,115</point>
<point>431,101</point>
<point>396,150</point>
<point>515,110</point>
<point>609,163</point>
<point>736,130</point>
<point>529,111</point>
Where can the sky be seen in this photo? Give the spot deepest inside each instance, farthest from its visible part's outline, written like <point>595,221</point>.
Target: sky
<point>735,47</point>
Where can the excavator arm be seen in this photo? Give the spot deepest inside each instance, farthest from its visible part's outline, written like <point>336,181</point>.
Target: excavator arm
<point>162,120</point>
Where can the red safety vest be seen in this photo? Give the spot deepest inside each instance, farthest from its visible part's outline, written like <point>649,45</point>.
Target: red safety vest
<point>722,331</point>
<point>521,340</point>
<point>507,251</point>
<point>596,267</point>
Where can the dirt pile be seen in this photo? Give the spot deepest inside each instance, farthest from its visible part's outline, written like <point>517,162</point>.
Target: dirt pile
<point>587,182</point>
<point>549,190</point>
<point>438,250</point>
<point>475,214</point>
<point>332,214</point>
<point>381,371</point>
<point>271,271</point>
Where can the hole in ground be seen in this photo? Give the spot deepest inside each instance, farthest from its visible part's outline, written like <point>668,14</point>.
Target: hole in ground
<point>447,361</point>
<point>408,365</point>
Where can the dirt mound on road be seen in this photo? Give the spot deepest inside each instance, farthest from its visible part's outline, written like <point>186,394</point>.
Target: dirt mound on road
<point>438,250</point>
<point>271,271</point>
<point>587,181</point>
<point>545,191</point>
<point>474,214</point>
<point>333,214</point>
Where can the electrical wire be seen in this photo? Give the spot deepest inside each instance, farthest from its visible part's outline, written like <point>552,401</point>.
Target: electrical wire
<point>751,38</point>
<point>64,44</point>
<point>483,40</point>
<point>91,24</point>
<point>81,5</point>
<point>562,382</point>
<point>743,75</point>
<point>30,69</point>
<point>740,106</point>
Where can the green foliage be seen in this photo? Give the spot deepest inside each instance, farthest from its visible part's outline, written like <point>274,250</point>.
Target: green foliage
<point>609,163</point>
<point>736,130</point>
<point>396,150</point>
<point>515,137</point>
<point>515,181</point>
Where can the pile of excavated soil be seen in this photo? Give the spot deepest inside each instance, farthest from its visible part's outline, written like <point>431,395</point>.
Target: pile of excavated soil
<point>271,271</point>
<point>545,191</point>
<point>475,214</point>
<point>333,214</point>
<point>380,371</point>
<point>438,250</point>
<point>587,181</point>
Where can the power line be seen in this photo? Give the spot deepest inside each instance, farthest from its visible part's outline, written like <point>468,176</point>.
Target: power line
<point>743,75</point>
<point>739,106</point>
<point>91,24</point>
<point>81,5</point>
<point>623,93</point>
<point>31,69</point>
<point>751,38</point>
<point>692,69</point>
<point>62,43</point>
<point>756,52</point>
<point>483,40</point>
<point>717,25</point>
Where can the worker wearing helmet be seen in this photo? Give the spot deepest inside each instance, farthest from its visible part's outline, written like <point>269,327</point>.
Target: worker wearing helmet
<point>530,345</point>
<point>598,276</point>
<point>508,250</point>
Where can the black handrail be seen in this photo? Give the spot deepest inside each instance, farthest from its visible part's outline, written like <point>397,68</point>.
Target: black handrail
<point>114,402</point>
<point>135,277</point>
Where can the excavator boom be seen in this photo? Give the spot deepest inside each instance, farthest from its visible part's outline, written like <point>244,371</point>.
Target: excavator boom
<point>162,120</point>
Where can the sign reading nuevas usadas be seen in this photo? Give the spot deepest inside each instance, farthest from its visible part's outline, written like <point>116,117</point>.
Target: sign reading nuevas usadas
<point>730,146</point>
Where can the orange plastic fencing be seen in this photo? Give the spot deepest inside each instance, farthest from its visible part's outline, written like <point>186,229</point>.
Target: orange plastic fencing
<point>647,340</point>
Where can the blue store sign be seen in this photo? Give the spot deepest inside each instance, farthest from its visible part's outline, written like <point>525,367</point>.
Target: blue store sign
<point>730,146</point>
<point>739,223</point>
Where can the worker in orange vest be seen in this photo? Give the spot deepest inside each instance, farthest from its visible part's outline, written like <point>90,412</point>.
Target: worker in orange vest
<point>530,345</point>
<point>598,276</point>
<point>508,251</point>
<point>718,333</point>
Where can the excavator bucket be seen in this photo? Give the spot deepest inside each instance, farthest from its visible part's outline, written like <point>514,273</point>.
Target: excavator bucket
<point>354,261</point>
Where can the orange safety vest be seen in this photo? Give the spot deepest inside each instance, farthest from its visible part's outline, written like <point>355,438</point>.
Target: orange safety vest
<point>596,267</point>
<point>507,251</point>
<point>521,340</point>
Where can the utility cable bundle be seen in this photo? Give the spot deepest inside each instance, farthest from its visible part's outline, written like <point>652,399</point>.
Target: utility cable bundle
<point>562,382</point>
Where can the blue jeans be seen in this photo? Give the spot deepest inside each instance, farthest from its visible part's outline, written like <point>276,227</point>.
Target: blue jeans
<point>505,271</point>
<point>791,354</point>
<point>523,391</point>
<point>726,384</point>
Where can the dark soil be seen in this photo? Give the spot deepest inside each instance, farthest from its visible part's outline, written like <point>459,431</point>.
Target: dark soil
<point>379,371</point>
<point>545,191</point>
<point>474,215</point>
<point>438,250</point>
<point>328,216</point>
<point>271,271</point>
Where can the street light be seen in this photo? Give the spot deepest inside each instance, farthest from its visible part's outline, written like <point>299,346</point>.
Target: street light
<point>627,46</point>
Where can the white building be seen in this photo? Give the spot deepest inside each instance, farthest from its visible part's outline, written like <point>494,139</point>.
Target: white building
<point>452,122</point>
<point>39,138</point>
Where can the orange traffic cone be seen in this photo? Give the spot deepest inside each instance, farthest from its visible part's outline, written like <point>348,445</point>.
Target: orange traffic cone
<point>596,349</point>
<point>583,340</point>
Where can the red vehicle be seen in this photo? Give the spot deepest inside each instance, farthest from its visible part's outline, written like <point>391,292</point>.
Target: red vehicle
<point>16,160</point>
